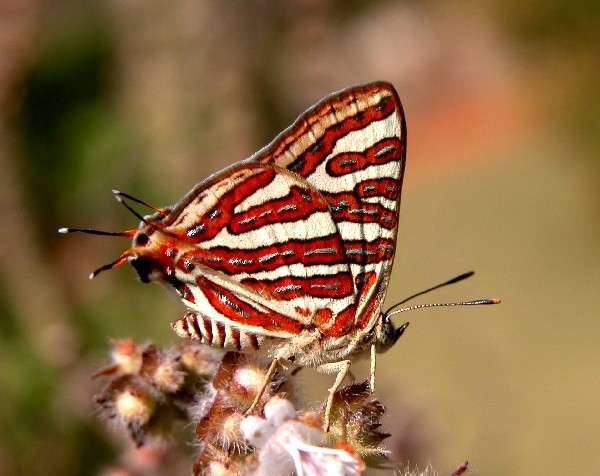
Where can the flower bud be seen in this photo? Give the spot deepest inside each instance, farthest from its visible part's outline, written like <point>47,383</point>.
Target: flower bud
<point>135,405</point>
<point>127,356</point>
<point>167,376</point>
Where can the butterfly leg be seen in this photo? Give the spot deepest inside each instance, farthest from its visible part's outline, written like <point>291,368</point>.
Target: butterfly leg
<point>265,382</point>
<point>373,358</point>
<point>342,369</point>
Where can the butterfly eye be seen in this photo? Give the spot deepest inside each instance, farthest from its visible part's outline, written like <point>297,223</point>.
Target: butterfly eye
<point>141,239</point>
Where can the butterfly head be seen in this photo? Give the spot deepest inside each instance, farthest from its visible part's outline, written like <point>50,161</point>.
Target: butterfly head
<point>155,252</point>
<point>144,258</point>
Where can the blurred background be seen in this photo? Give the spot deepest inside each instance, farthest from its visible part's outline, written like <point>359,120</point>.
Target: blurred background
<point>502,100</point>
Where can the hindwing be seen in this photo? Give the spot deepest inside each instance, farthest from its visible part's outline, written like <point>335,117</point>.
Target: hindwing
<point>351,147</point>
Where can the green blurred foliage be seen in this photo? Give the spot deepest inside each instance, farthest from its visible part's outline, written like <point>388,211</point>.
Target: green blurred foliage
<point>68,121</point>
<point>66,127</point>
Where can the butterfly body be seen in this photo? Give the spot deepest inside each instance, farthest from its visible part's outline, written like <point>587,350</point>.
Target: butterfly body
<point>237,298</point>
<point>289,252</point>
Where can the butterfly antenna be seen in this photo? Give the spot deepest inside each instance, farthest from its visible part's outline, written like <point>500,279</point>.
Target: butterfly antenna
<point>118,193</point>
<point>90,231</point>
<point>477,302</point>
<point>120,196</point>
<point>456,279</point>
<point>127,233</point>
<point>119,199</point>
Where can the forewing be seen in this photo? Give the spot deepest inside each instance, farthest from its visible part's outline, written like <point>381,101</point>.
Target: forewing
<point>351,147</point>
<point>261,251</point>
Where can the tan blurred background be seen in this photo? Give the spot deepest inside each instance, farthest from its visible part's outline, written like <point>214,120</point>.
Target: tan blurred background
<point>502,100</point>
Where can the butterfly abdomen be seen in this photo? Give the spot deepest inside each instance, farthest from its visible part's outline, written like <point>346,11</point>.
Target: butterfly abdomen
<point>217,334</point>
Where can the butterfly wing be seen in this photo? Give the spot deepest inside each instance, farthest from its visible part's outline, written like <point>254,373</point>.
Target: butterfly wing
<point>351,147</point>
<point>300,236</point>
<point>247,244</point>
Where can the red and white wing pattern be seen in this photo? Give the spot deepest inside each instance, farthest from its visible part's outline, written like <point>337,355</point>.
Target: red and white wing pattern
<point>352,148</point>
<point>298,238</point>
<point>251,266</point>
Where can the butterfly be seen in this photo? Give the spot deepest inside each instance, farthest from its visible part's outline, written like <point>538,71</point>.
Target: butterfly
<point>289,252</point>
